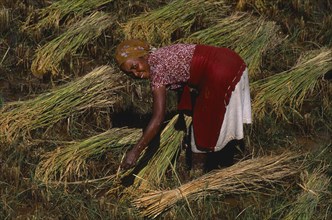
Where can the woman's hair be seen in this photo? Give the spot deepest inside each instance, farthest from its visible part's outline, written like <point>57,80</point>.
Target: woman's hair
<point>133,48</point>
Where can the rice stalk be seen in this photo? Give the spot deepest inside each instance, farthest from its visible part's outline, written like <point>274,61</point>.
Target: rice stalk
<point>247,176</point>
<point>97,89</point>
<point>315,186</point>
<point>69,163</point>
<point>288,89</point>
<point>5,18</point>
<point>59,11</point>
<point>158,26</point>
<point>49,56</point>
<point>170,145</point>
<point>228,32</point>
<point>260,5</point>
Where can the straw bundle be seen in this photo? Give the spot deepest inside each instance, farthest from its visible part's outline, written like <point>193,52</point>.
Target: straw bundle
<point>97,89</point>
<point>69,162</point>
<point>243,177</point>
<point>288,89</point>
<point>49,56</point>
<point>233,32</point>
<point>160,25</point>
<point>314,186</point>
<point>60,11</point>
<point>170,143</point>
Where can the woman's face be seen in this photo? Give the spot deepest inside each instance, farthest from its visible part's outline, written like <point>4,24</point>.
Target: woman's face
<point>138,67</point>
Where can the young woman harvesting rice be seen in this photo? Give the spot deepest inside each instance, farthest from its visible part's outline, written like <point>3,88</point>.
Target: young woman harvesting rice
<point>214,86</point>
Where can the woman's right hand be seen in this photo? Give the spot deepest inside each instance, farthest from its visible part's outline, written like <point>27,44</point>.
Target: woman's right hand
<point>159,108</point>
<point>130,159</point>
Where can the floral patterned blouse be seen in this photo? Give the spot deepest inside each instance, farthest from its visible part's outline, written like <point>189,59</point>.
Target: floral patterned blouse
<point>170,65</point>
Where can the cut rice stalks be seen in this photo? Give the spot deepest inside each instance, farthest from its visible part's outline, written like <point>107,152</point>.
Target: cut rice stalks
<point>287,90</point>
<point>69,163</point>
<point>228,32</point>
<point>247,176</point>
<point>49,56</point>
<point>170,145</point>
<point>315,187</point>
<point>98,89</point>
<point>160,25</point>
<point>51,16</point>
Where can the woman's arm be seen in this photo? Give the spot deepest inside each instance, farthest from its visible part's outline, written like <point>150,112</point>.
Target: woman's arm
<point>158,115</point>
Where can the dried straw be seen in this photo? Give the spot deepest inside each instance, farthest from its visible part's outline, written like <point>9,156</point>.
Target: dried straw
<point>160,25</point>
<point>170,146</point>
<point>287,90</point>
<point>97,89</point>
<point>229,32</point>
<point>69,163</point>
<point>49,56</point>
<point>246,176</point>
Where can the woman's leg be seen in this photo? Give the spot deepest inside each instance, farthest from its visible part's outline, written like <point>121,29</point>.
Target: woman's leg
<point>198,161</point>
<point>224,157</point>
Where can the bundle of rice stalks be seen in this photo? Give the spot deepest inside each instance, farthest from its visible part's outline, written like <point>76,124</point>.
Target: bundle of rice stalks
<point>98,89</point>
<point>315,187</point>
<point>49,56</point>
<point>288,89</point>
<point>247,176</point>
<point>5,18</point>
<point>170,145</point>
<point>230,32</point>
<point>60,11</point>
<point>179,17</point>
<point>68,163</point>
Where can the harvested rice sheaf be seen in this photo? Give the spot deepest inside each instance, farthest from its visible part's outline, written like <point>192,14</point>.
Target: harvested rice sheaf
<point>247,176</point>
<point>98,89</point>
<point>59,11</point>
<point>229,32</point>
<point>170,145</point>
<point>288,90</point>
<point>69,162</point>
<point>158,26</point>
<point>48,57</point>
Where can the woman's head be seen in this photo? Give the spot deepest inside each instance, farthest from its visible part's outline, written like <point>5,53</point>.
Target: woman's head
<point>137,67</point>
<point>131,56</point>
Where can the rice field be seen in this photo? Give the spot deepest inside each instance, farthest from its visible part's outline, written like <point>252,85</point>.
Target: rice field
<point>68,115</point>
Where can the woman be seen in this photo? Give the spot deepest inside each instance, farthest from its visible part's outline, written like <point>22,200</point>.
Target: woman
<point>218,76</point>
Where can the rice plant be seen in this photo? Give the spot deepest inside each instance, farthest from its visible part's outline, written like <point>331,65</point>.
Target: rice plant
<point>315,188</point>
